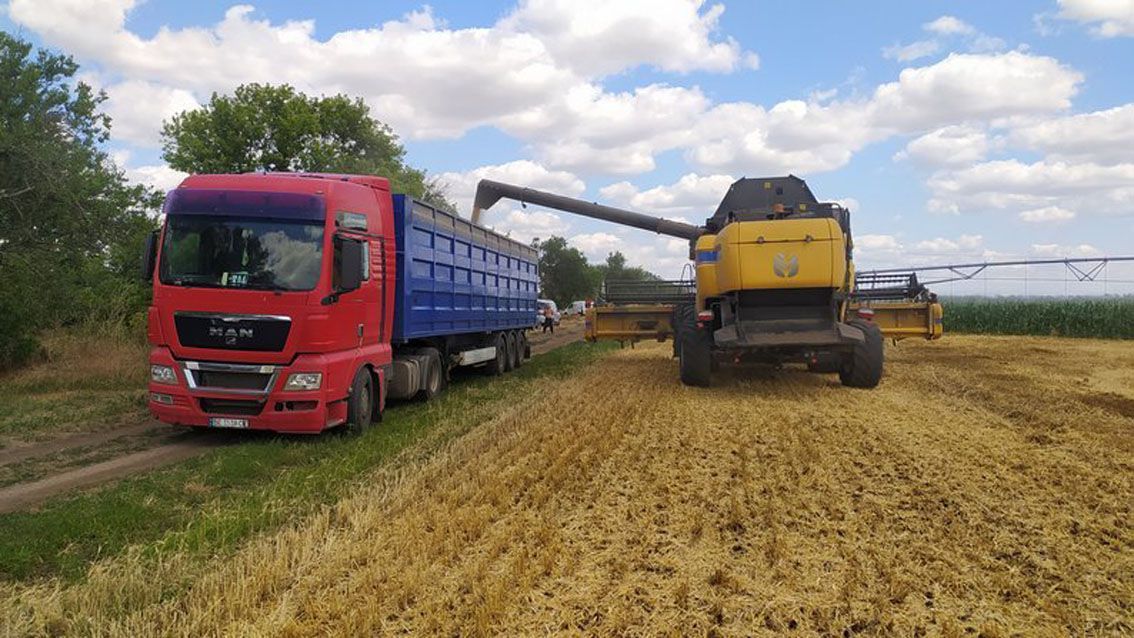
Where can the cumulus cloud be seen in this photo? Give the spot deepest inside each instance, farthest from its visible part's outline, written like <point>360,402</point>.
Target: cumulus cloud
<point>948,146</point>
<point>1105,136</point>
<point>1059,251</point>
<point>461,186</point>
<point>1017,186</point>
<point>1111,18</point>
<point>137,109</point>
<point>1047,215</point>
<point>949,25</point>
<point>598,37</point>
<point>809,137</point>
<point>697,195</point>
<point>911,51</point>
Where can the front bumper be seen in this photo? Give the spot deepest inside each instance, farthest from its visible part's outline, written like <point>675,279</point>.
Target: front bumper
<point>786,333</point>
<point>260,398</point>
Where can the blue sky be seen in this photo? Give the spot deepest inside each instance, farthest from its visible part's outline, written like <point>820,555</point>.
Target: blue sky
<point>954,130</point>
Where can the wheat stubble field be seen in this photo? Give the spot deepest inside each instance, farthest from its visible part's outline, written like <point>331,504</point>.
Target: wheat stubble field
<point>984,488</point>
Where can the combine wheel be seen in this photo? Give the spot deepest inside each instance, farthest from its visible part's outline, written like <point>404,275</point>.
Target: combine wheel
<point>498,365</point>
<point>695,351</point>
<point>433,379</point>
<point>360,404</point>
<point>863,368</point>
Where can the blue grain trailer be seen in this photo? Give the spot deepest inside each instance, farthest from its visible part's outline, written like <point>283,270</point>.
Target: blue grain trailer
<point>464,296</point>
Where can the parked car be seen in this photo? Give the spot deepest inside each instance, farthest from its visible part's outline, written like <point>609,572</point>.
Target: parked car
<point>541,304</point>
<point>577,308</point>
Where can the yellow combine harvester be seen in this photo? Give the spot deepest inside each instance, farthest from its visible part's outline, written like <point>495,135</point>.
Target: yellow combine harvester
<point>774,282</point>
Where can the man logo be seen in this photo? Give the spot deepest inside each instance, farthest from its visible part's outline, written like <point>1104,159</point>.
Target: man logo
<point>785,266</point>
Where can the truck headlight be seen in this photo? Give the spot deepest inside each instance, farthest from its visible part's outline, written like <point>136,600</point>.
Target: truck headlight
<point>163,374</point>
<point>304,381</point>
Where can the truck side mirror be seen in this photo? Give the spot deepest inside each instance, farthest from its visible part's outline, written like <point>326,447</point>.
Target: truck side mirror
<point>350,265</point>
<point>149,256</point>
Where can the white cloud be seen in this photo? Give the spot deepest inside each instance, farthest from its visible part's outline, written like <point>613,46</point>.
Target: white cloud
<point>963,245</point>
<point>949,25</point>
<point>949,146</point>
<point>462,186</point>
<point>810,137</point>
<point>1017,186</point>
<point>1111,17</point>
<point>848,203</point>
<point>694,194</point>
<point>137,109</point>
<point>596,246</point>
<point>1101,136</point>
<point>911,51</point>
<point>874,245</point>
<point>1047,215</point>
<point>1061,251</point>
<point>599,37</point>
<point>526,225</point>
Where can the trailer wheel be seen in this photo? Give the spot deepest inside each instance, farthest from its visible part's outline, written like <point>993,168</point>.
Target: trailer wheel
<point>360,403</point>
<point>509,352</point>
<point>863,368</point>
<point>518,358</point>
<point>495,367</point>
<point>527,347</point>
<point>695,353</point>
<point>433,377</point>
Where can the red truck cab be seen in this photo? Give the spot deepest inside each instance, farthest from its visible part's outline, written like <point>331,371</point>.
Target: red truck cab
<point>273,301</point>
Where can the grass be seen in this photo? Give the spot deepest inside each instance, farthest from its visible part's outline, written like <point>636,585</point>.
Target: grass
<point>1103,317</point>
<point>772,502</point>
<point>212,503</point>
<point>86,379</point>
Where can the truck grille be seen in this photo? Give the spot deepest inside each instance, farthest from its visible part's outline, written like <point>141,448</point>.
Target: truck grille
<point>259,333</point>
<point>237,407</point>
<point>233,378</point>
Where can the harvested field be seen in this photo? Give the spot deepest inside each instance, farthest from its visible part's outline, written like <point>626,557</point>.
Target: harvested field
<point>985,486</point>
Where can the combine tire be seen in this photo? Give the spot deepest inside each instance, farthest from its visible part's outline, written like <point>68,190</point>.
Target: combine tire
<point>695,351</point>
<point>433,379</point>
<point>360,404</point>
<point>863,368</point>
<point>498,366</point>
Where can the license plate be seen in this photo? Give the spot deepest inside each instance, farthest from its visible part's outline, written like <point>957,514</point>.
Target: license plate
<point>220,422</point>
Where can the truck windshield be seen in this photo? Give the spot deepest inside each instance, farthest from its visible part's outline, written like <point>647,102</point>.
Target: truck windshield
<point>230,252</point>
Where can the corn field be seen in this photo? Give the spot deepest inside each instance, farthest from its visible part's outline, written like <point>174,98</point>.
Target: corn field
<point>1102,317</point>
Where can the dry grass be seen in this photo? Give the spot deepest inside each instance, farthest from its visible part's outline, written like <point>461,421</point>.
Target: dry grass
<point>985,487</point>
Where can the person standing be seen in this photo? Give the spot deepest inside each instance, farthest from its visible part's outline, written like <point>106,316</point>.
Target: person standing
<point>548,320</point>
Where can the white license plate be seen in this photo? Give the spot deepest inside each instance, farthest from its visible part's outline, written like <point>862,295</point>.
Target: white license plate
<point>221,422</point>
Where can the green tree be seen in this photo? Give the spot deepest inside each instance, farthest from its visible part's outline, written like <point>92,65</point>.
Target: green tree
<point>615,269</point>
<point>276,128</point>
<point>564,272</point>
<point>68,216</point>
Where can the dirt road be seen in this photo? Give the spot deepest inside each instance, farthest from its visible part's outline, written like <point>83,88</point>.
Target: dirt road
<point>984,487</point>
<point>69,462</point>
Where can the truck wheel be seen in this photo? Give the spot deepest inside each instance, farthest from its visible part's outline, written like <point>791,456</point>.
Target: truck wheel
<point>360,404</point>
<point>518,350</point>
<point>695,354</point>
<point>509,352</point>
<point>433,377</point>
<point>863,368</point>
<point>495,367</point>
<point>526,353</point>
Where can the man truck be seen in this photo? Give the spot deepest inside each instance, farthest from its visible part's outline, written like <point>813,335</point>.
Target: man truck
<point>300,302</point>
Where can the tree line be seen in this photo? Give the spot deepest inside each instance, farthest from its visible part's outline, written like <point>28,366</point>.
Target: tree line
<point>566,276</point>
